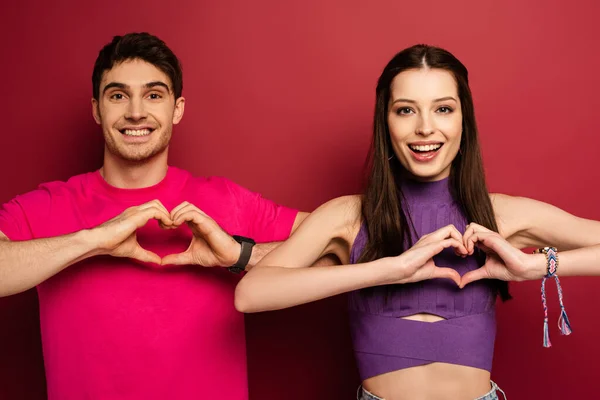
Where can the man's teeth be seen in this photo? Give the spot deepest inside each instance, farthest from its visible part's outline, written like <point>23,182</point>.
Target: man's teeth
<point>136,132</point>
<point>428,147</point>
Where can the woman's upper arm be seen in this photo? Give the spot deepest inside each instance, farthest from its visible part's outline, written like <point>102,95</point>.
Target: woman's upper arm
<point>300,217</point>
<point>327,230</point>
<point>526,222</point>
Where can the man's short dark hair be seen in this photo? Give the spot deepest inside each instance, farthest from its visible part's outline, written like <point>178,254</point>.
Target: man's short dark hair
<point>141,46</point>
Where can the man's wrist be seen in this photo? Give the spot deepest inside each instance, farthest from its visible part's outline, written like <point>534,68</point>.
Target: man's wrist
<point>245,253</point>
<point>237,252</point>
<point>88,238</point>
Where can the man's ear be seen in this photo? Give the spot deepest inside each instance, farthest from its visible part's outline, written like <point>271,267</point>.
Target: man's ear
<point>179,108</point>
<point>96,111</point>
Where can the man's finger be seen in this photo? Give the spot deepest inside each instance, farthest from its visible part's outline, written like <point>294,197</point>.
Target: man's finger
<point>202,223</point>
<point>177,210</point>
<point>153,213</point>
<point>151,203</point>
<point>188,216</point>
<point>144,255</point>
<point>177,259</point>
<point>162,207</point>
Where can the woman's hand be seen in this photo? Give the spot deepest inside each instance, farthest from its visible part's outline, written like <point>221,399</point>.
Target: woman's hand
<point>416,264</point>
<point>503,261</point>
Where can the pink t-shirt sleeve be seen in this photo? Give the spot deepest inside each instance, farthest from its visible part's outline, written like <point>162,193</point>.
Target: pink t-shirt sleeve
<point>17,215</point>
<point>267,220</point>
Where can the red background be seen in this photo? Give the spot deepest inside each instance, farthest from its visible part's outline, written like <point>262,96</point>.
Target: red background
<point>280,98</point>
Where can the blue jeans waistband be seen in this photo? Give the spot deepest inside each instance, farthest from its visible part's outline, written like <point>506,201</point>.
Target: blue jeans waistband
<point>363,394</point>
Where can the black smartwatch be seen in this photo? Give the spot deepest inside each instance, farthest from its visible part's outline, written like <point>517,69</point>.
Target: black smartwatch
<point>245,254</point>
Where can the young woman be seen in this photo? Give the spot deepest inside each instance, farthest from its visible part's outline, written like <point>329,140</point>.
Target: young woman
<point>417,336</point>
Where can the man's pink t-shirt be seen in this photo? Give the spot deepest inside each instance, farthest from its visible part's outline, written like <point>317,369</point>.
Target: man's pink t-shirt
<point>114,328</point>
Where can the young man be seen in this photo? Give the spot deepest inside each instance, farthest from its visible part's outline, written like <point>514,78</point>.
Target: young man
<point>128,307</point>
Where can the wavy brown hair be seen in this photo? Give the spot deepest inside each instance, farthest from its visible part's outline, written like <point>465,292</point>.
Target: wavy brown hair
<point>387,222</point>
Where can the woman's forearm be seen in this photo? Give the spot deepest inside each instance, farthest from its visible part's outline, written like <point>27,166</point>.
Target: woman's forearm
<point>273,288</point>
<point>584,261</point>
<point>580,262</point>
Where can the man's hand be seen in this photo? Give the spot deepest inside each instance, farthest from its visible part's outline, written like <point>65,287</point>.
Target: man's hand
<point>117,237</point>
<point>211,246</point>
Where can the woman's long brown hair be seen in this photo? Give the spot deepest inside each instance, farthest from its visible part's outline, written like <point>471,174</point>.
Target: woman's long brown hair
<point>387,222</point>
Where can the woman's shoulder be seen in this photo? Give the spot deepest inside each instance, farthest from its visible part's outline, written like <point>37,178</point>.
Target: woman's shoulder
<point>509,204</point>
<point>342,214</point>
<point>515,213</point>
<point>350,203</point>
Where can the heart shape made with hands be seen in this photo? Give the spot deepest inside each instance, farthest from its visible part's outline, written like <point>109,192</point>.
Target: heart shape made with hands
<point>210,245</point>
<point>503,261</point>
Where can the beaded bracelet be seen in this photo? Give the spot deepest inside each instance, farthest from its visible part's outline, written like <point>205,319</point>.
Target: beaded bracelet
<point>563,321</point>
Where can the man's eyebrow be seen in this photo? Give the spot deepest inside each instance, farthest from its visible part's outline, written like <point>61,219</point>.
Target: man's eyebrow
<point>114,85</point>
<point>148,85</point>
<point>151,85</point>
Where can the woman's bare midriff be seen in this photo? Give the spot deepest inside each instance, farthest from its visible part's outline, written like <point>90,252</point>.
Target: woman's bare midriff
<point>435,381</point>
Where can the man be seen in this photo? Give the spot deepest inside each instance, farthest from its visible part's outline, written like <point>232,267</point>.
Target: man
<point>127,308</point>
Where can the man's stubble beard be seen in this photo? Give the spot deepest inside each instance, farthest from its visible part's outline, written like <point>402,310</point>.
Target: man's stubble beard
<point>137,153</point>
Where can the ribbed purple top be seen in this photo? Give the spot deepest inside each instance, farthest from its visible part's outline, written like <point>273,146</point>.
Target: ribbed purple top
<point>383,342</point>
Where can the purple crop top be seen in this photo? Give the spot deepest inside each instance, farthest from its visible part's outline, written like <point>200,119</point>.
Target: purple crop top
<point>383,342</point>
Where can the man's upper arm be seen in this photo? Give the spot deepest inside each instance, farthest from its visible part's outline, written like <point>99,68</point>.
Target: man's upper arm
<point>265,220</point>
<point>19,215</point>
<point>13,221</point>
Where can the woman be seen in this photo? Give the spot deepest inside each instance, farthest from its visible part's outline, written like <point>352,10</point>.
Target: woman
<point>425,183</point>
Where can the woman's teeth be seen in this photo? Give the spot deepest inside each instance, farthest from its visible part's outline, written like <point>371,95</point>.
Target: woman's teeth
<point>136,132</point>
<point>424,148</point>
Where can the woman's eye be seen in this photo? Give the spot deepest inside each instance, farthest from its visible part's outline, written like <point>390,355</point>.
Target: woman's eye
<point>404,111</point>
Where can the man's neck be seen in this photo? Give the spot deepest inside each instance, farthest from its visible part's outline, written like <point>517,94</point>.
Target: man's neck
<point>134,175</point>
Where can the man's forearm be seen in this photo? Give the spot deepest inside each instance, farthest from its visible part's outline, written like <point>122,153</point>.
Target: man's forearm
<point>259,251</point>
<point>25,264</point>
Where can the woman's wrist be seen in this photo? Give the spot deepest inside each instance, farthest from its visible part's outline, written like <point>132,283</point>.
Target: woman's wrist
<point>536,267</point>
<point>390,270</point>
